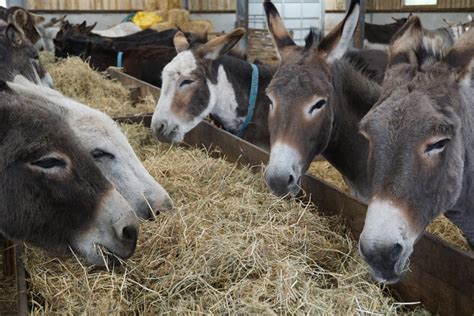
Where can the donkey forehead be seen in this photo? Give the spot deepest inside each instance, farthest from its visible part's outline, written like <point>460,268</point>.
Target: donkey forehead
<point>299,80</point>
<point>182,65</point>
<point>414,114</point>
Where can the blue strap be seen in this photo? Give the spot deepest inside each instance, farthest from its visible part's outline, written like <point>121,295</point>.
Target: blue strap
<point>252,100</point>
<point>120,59</point>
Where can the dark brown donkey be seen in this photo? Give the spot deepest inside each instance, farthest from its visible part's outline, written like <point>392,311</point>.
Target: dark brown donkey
<point>201,80</point>
<point>19,57</point>
<point>318,99</point>
<point>421,149</point>
<point>52,194</point>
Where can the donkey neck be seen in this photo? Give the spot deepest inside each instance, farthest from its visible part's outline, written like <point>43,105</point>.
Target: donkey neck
<point>353,96</point>
<point>234,78</point>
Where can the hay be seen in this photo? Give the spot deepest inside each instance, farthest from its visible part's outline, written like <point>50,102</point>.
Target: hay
<point>180,18</point>
<point>441,226</point>
<point>201,26</point>
<point>77,80</point>
<point>163,26</point>
<point>230,247</point>
<point>47,58</point>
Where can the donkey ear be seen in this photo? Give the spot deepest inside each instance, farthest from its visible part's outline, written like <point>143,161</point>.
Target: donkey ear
<point>335,44</point>
<point>461,57</point>
<point>82,26</point>
<point>37,18</point>
<point>221,45</point>
<point>20,17</point>
<point>406,43</point>
<point>280,35</point>
<point>14,34</point>
<point>88,29</point>
<point>180,42</point>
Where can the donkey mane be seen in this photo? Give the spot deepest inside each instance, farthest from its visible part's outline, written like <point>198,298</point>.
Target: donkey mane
<point>313,38</point>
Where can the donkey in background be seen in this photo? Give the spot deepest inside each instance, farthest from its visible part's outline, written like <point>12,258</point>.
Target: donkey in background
<point>421,149</point>
<point>201,80</point>
<point>20,57</point>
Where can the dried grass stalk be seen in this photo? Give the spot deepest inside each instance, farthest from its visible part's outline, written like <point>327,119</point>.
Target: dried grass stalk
<point>230,247</point>
<point>77,80</point>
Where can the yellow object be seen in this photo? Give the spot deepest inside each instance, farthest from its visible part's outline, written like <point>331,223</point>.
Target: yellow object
<point>146,20</point>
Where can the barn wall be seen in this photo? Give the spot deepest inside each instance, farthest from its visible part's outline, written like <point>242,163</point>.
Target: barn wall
<point>91,5</point>
<point>397,5</point>
<point>225,21</point>
<point>430,20</point>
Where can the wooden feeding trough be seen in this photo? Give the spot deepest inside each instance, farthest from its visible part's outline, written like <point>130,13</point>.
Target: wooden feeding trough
<point>441,277</point>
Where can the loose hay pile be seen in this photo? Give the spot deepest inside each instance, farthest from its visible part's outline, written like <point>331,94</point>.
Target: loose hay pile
<point>76,79</point>
<point>441,226</point>
<point>230,247</point>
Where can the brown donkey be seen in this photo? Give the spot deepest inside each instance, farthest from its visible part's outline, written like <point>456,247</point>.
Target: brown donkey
<point>201,80</point>
<point>318,98</point>
<point>421,149</point>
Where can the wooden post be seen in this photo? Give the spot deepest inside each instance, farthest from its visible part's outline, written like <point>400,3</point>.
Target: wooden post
<point>359,34</point>
<point>242,14</point>
<point>8,253</point>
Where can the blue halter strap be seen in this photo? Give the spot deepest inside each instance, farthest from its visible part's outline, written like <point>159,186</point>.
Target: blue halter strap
<point>120,59</point>
<point>252,100</point>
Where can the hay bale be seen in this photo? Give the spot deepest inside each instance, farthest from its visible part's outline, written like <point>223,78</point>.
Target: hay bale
<point>441,226</point>
<point>77,80</point>
<point>201,26</point>
<point>163,26</point>
<point>230,247</point>
<point>180,18</point>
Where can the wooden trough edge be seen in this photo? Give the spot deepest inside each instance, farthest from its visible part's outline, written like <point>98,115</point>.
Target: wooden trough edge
<point>441,276</point>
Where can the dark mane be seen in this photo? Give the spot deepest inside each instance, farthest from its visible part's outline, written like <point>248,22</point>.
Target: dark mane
<point>314,37</point>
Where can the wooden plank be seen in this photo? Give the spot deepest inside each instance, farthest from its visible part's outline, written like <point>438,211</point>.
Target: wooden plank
<point>145,88</point>
<point>22,291</point>
<point>8,254</point>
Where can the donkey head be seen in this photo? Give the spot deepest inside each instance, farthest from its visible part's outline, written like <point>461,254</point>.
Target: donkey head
<point>19,56</point>
<point>52,194</point>
<point>301,113</point>
<point>109,147</point>
<point>191,83</point>
<point>417,134</point>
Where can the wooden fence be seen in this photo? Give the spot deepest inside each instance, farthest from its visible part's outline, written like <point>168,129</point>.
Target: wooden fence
<point>96,5</point>
<point>212,5</point>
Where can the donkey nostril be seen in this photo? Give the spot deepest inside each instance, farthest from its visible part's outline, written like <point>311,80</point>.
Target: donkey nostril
<point>291,180</point>
<point>161,127</point>
<point>396,252</point>
<point>129,233</point>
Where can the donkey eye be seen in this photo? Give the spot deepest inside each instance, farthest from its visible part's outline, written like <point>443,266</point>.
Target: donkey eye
<point>99,153</point>
<point>437,147</point>
<point>317,106</point>
<point>49,163</point>
<point>185,83</point>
